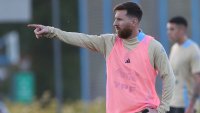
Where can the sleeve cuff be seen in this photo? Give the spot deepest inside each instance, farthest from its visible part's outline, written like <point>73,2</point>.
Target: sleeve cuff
<point>161,109</point>
<point>51,33</point>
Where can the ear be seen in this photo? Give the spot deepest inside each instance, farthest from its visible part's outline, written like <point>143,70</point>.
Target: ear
<point>181,28</point>
<point>185,28</point>
<point>135,21</point>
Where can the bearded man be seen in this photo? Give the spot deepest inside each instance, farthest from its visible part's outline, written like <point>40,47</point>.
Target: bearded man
<point>132,59</point>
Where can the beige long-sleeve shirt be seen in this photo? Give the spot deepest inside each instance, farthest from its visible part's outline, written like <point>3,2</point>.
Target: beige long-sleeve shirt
<point>185,61</point>
<point>104,44</point>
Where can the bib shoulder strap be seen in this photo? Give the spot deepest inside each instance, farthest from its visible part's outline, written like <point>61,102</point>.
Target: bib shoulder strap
<point>148,38</point>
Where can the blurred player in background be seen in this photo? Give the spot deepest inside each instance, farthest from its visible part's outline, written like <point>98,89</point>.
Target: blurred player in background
<point>132,60</point>
<point>185,61</point>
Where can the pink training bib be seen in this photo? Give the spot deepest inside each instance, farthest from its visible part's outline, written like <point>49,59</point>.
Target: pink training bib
<point>130,79</point>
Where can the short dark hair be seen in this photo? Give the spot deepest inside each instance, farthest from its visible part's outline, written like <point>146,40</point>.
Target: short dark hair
<point>132,9</point>
<point>179,20</point>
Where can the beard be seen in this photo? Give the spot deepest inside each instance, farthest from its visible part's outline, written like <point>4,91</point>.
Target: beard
<point>124,33</point>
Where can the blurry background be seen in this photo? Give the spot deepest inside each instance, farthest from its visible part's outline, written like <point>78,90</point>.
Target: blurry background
<point>40,76</point>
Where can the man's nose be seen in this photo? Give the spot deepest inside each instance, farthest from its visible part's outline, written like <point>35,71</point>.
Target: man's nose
<point>114,23</point>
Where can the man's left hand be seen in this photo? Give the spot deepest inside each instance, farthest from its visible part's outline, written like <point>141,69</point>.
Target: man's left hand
<point>152,110</point>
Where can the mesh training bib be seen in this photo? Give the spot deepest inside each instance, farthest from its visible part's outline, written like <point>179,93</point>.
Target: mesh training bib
<point>130,79</point>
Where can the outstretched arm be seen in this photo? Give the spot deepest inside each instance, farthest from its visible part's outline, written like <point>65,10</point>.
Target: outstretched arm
<point>92,42</point>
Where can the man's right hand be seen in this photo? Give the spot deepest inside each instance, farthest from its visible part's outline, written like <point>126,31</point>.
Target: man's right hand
<point>39,30</point>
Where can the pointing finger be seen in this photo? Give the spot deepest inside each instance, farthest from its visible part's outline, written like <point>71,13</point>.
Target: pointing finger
<point>34,26</point>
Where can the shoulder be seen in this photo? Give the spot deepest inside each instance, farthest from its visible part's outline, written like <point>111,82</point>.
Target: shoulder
<point>194,45</point>
<point>156,45</point>
<point>194,48</point>
<point>109,37</point>
<point>156,48</point>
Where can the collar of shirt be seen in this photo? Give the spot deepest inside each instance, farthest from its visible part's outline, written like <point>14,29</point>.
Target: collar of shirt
<point>139,38</point>
<point>187,43</point>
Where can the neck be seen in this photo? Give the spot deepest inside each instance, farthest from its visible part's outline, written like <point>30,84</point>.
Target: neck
<point>134,34</point>
<point>182,39</point>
